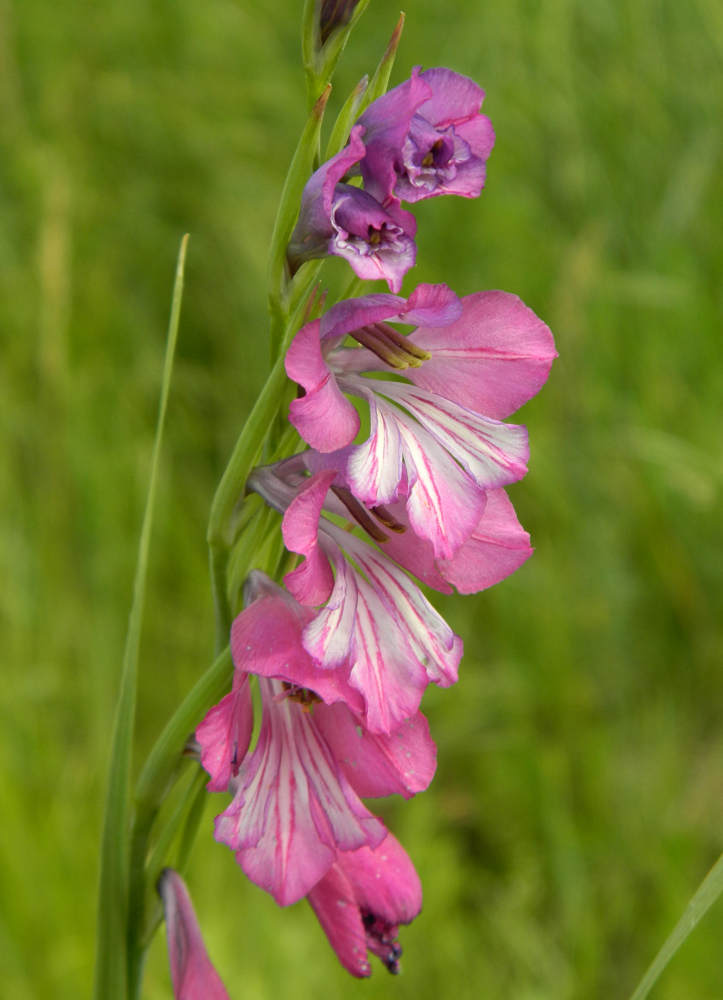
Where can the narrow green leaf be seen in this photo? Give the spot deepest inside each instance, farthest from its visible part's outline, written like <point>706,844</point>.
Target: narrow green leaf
<point>380,80</point>
<point>347,117</point>
<point>111,958</point>
<point>708,892</point>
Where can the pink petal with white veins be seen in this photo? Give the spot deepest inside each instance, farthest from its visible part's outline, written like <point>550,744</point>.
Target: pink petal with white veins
<point>494,453</point>
<point>497,547</point>
<point>430,638</point>
<point>329,637</point>
<point>225,734</point>
<point>402,762</point>
<point>374,469</point>
<point>293,808</point>
<point>492,360</point>
<point>383,667</point>
<point>384,881</point>
<point>443,504</point>
<point>192,974</point>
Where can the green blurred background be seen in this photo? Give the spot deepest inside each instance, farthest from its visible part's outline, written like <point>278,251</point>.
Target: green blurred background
<point>579,796</point>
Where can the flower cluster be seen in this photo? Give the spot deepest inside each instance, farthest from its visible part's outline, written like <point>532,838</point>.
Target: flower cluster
<point>344,648</point>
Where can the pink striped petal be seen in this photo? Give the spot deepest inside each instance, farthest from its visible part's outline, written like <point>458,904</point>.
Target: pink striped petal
<point>493,453</point>
<point>293,808</point>
<point>492,360</point>
<point>431,639</point>
<point>192,974</point>
<point>374,469</point>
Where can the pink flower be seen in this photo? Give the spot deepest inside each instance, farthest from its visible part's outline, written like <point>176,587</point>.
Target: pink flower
<point>426,137</point>
<point>344,221</point>
<point>297,793</point>
<point>193,976</point>
<point>436,440</point>
<point>375,622</point>
<point>361,901</point>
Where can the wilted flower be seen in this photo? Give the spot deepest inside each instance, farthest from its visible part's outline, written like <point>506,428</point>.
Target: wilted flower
<point>426,137</point>
<point>192,974</point>
<point>344,221</point>
<point>363,899</point>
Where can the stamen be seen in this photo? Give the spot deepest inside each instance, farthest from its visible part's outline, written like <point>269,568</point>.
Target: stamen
<point>390,346</point>
<point>360,514</point>
<point>388,519</point>
<point>302,696</point>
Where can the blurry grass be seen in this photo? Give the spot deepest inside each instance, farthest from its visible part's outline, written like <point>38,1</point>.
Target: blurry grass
<point>578,799</point>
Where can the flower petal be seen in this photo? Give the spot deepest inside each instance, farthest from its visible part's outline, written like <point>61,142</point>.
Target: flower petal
<point>225,734</point>
<point>324,416</point>
<point>492,360</point>
<point>493,453</point>
<point>374,468</point>
<point>432,305</point>
<point>293,808</point>
<point>496,548</point>
<point>313,581</point>
<point>332,900</point>
<point>402,762</point>
<point>192,974</point>
<point>454,97</point>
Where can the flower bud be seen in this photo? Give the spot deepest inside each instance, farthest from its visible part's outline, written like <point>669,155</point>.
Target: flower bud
<point>334,14</point>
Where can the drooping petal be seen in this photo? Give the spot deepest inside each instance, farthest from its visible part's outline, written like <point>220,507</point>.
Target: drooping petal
<point>329,637</point>
<point>402,762</point>
<point>493,453</point>
<point>324,416</point>
<point>492,360</point>
<point>496,548</point>
<point>332,900</point>
<point>362,901</point>
<point>293,808</point>
<point>312,582</point>
<point>225,734</point>
<point>192,974</point>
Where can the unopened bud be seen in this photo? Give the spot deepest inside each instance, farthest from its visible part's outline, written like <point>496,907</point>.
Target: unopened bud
<point>334,14</point>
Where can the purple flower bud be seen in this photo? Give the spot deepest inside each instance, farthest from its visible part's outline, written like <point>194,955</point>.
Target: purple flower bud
<point>334,14</point>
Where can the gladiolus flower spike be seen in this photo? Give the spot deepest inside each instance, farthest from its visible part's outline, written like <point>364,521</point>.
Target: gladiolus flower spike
<point>343,651</point>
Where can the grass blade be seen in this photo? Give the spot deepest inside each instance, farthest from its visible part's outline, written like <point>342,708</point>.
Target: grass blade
<point>708,892</point>
<point>111,972</point>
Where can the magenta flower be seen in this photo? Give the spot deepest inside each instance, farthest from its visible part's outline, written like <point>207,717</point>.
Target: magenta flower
<point>439,442</point>
<point>192,974</point>
<point>361,902</point>
<point>297,795</point>
<point>375,622</point>
<point>343,220</point>
<point>426,138</point>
